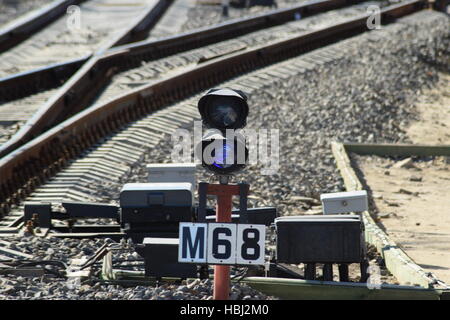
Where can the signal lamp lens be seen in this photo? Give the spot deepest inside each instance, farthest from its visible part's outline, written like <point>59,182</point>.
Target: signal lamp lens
<point>223,113</point>
<point>221,155</point>
<point>224,109</point>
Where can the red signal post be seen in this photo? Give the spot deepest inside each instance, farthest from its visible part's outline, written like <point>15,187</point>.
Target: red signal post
<point>224,194</point>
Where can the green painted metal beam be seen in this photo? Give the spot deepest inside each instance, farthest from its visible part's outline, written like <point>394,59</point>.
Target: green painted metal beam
<point>294,289</point>
<point>386,149</point>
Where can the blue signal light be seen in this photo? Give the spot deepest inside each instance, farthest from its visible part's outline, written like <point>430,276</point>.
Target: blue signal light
<point>222,157</point>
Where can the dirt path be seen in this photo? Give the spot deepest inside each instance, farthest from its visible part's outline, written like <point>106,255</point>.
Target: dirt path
<point>414,207</point>
<point>414,201</point>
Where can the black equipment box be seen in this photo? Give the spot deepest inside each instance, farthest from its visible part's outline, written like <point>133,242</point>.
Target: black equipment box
<point>156,202</point>
<point>161,259</point>
<point>320,239</point>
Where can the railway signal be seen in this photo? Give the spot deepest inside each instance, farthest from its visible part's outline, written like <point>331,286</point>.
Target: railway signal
<point>223,150</point>
<point>224,109</point>
<point>223,154</point>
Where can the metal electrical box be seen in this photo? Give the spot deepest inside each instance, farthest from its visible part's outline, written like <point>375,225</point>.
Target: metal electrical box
<point>344,202</point>
<point>172,172</point>
<point>156,202</point>
<point>320,239</point>
<point>161,259</point>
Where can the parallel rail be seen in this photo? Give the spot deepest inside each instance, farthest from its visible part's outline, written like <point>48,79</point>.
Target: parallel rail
<point>21,29</point>
<point>83,84</point>
<point>11,87</point>
<point>25,83</point>
<point>30,165</point>
<point>387,149</point>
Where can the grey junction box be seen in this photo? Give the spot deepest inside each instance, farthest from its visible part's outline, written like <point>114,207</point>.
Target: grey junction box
<point>344,202</point>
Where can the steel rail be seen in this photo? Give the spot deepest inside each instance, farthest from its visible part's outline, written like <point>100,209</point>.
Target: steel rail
<point>153,49</point>
<point>83,84</point>
<point>25,83</point>
<point>296,289</point>
<point>23,27</point>
<point>388,149</point>
<point>30,165</point>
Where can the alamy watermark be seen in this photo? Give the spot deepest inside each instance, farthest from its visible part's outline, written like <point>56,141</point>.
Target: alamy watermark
<point>263,147</point>
<point>73,20</point>
<point>374,20</point>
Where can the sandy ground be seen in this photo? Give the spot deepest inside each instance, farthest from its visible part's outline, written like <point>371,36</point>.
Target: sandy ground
<point>414,201</point>
<point>416,214</point>
<point>434,111</point>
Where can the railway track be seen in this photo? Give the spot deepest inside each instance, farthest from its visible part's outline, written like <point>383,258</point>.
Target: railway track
<point>53,54</point>
<point>102,24</point>
<point>83,87</point>
<point>21,84</point>
<point>23,27</point>
<point>157,69</point>
<point>98,146</point>
<point>92,152</point>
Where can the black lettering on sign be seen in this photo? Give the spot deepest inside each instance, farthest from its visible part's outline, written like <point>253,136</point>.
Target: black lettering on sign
<point>221,245</point>
<point>197,245</point>
<point>250,249</point>
<point>192,242</point>
<point>250,244</point>
<point>218,243</point>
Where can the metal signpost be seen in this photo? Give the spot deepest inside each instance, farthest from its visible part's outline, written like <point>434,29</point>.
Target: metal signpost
<point>224,195</point>
<point>226,243</point>
<point>222,243</point>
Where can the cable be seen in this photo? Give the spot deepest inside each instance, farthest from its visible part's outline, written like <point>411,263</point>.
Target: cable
<point>241,275</point>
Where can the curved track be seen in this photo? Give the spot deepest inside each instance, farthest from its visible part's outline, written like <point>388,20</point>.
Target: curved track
<point>99,24</point>
<point>23,27</point>
<point>93,150</point>
<point>96,72</point>
<point>39,160</point>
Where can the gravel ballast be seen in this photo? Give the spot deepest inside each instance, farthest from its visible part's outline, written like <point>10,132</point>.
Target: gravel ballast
<point>51,286</point>
<point>367,96</point>
<point>207,14</point>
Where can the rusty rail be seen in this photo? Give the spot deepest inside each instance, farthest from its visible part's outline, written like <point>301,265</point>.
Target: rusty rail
<point>32,164</point>
<point>25,83</point>
<point>81,86</point>
<point>154,49</point>
<point>24,27</point>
